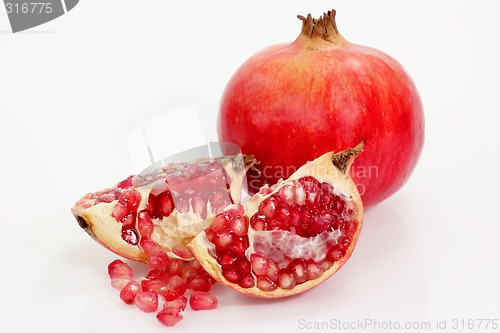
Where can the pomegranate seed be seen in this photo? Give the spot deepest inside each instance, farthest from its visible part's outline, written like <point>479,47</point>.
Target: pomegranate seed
<point>268,207</point>
<point>144,224</point>
<point>170,316</point>
<point>147,301</point>
<point>158,274</point>
<point>335,253</point>
<point>239,246</point>
<point>130,236</point>
<point>153,285</point>
<point>128,293</point>
<point>231,275</point>
<point>199,283</point>
<point>326,265</point>
<point>118,268</point>
<point>180,303</point>
<point>165,204</point>
<point>120,211</point>
<point>238,225</point>
<point>314,270</point>
<point>259,264</point>
<point>200,300</point>
<point>272,271</point>
<point>188,273</point>
<point>299,270</point>
<point>150,247</point>
<point>265,284</point>
<point>132,198</point>
<point>247,282</point>
<point>182,252</point>
<point>175,267</point>
<point>219,223</point>
<point>158,261</point>
<point>174,288</point>
<point>127,183</point>
<point>223,240</point>
<point>120,282</point>
<point>228,259</point>
<point>286,280</point>
<point>287,194</point>
<point>259,222</point>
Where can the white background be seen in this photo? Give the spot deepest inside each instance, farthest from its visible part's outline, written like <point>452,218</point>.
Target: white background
<point>73,89</point>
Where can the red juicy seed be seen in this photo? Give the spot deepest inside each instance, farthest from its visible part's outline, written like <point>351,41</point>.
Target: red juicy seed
<point>147,301</point>
<point>144,224</point>
<point>169,316</point>
<point>260,264</point>
<point>220,223</point>
<point>268,206</point>
<point>200,300</point>
<point>272,270</point>
<point>287,194</point>
<point>127,183</point>
<point>238,225</point>
<point>294,217</point>
<point>239,246</point>
<point>200,283</point>
<point>150,247</point>
<point>174,288</point>
<point>210,234</point>
<point>180,303</point>
<point>118,268</point>
<point>314,270</point>
<point>157,261</point>
<point>259,222</point>
<point>243,266</point>
<point>247,282</point>
<point>335,253</point>
<point>265,284</point>
<point>299,270</point>
<point>120,211</point>
<point>154,285</point>
<point>189,272</point>
<point>286,279</point>
<point>119,282</point>
<point>182,252</point>
<point>175,267</point>
<point>132,198</point>
<point>127,294</point>
<point>165,204</point>
<point>130,236</point>
<point>223,240</point>
<point>158,274</point>
<point>227,259</point>
<point>195,264</point>
<point>231,275</point>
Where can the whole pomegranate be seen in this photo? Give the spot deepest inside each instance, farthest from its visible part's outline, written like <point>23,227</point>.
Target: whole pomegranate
<point>293,102</point>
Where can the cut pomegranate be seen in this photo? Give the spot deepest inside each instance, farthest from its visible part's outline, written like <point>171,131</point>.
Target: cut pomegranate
<point>290,237</point>
<point>164,209</point>
<point>200,300</point>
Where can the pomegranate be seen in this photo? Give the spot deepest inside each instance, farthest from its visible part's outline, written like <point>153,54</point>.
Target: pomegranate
<point>146,215</point>
<point>289,237</point>
<point>289,103</point>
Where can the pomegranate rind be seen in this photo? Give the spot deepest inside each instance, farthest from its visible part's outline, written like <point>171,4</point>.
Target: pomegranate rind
<point>173,231</point>
<point>324,169</point>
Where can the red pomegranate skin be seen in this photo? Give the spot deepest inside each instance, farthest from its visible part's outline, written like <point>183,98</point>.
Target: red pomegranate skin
<point>288,104</point>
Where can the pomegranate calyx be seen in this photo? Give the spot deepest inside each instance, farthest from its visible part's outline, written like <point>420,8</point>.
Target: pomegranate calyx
<point>325,27</point>
<point>343,159</point>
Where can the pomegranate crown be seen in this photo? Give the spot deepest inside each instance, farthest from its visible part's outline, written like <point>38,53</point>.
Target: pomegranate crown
<point>324,27</point>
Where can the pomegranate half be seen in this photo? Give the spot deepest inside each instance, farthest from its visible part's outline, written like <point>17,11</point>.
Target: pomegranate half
<point>289,237</point>
<point>166,207</point>
<point>289,103</point>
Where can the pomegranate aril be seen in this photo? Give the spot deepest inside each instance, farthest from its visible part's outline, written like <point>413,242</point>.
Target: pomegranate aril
<point>119,282</point>
<point>272,271</point>
<point>227,259</point>
<point>314,270</point>
<point>150,247</point>
<point>259,264</point>
<point>286,279</point>
<point>287,194</point>
<point>147,301</point>
<point>188,273</point>
<point>182,252</point>
<point>128,293</point>
<point>239,246</point>
<point>174,288</point>
<point>223,240</point>
<point>120,211</point>
<point>231,275</point>
<point>199,283</point>
<point>154,285</point>
<point>130,236</point>
<point>127,183</point>
<point>118,268</point>
<point>265,284</point>
<point>175,267</point>
<point>158,274</point>
<point>247,282</point>
<point>238,225</point>
<point>335,253</point>
<point>219,223</point>
<point>145,224</point>
<point>299,270</point>
<point>200,300</point>
<point>259,222</point>
<point>158,261</point>
<point>180,303</point>
<point>170,316</point>
<point>268,207</point>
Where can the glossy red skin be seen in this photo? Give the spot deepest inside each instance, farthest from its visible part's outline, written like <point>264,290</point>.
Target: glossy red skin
<point>289,104</point>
